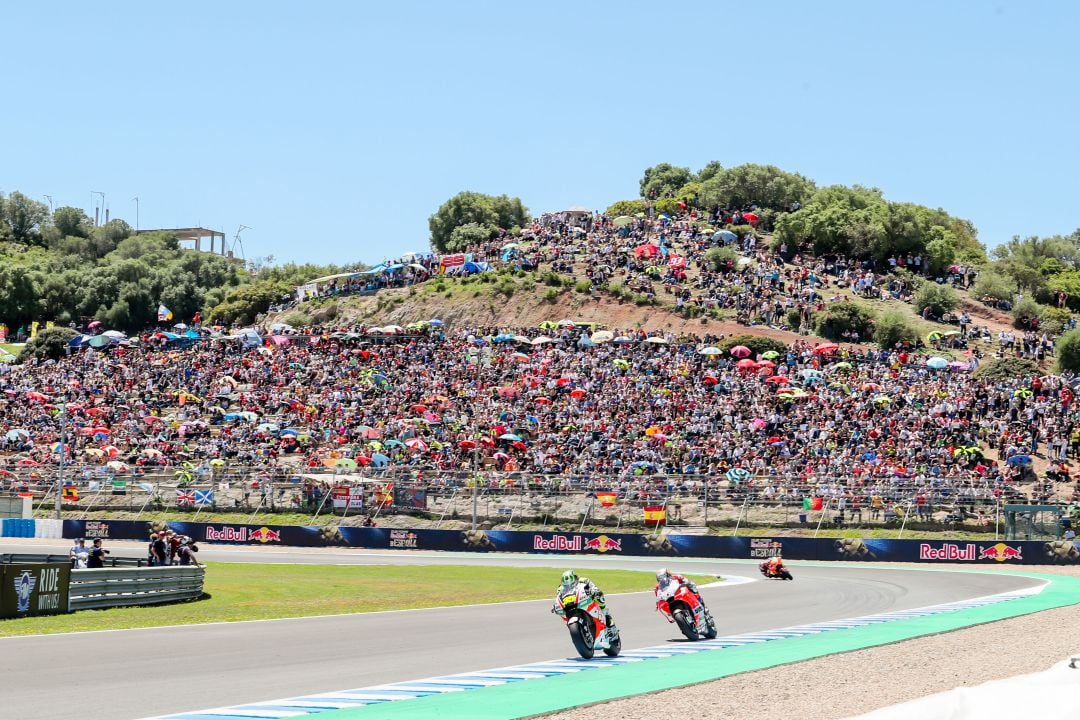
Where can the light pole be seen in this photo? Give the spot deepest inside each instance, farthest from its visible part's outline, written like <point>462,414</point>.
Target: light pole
<point>63,452</point>
<point>49,198</point>
<point>136,199</point>
<point>98,192</point>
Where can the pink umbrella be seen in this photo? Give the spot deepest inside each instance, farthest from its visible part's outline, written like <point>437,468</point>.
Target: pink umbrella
<point>95,324</point>
<point>746,364</point>
<point>740,351</point>
<point>416,444</point>
<point>759,424</point>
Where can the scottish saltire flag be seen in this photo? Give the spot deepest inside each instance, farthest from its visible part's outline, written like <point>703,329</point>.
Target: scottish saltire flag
<point>204,497</point>
<point>164,313</point>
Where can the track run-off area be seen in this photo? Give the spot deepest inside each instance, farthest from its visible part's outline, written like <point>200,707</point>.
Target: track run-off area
<point>500,660</point>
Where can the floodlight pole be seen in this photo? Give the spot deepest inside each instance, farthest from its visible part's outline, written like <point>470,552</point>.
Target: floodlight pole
<point>63,451</point>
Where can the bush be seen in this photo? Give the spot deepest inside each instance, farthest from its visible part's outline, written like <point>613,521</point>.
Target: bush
<point>551,296</point>
<point>741,230</point>
<point>841,317</point>
<point>794,318</point>
<point>719,258</point>
<point>1007,368</point>
<point>1053,320</point>
<point>892,328</point>
<point>297,319</point>
<point>552,278</point>
<point>583,286</point>
<point>50,344</point>
<point>1068,351</point>
<point>937,299</point>
<point>1024,312</point>
<point>625,207</point>
<point>756,343</point>
<point>990,283</point>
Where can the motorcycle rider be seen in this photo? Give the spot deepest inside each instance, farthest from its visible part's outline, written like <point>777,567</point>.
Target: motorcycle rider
<point>570,580</point>
<point>665,577</point>
<point>773,566</point>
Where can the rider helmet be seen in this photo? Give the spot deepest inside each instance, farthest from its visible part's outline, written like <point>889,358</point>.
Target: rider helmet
<point>569,578</point>
<point>663,575</point>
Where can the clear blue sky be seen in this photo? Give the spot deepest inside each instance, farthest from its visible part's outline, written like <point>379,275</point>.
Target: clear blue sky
<point>335,129</point>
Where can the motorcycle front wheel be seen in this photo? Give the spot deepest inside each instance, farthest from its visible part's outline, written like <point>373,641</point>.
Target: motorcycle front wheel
<point>686,625</point>
<point>582,638</point>
<point>614,648</point>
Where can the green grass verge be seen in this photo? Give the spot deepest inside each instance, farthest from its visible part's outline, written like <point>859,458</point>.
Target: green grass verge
<point>12,348</point>
<point>259,592</point>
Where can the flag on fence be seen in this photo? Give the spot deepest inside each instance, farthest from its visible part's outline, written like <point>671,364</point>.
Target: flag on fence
<point>184,499</point>
<point>655,515</point>
<point>385,494</point>
<point>164,313</point>
<point>607,499</point>
<point>71,493</point>
<point>119,487</point>
<point>204,497</point>
<point>146,487</point>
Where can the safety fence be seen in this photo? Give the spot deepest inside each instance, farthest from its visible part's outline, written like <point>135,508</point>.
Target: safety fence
<point>124,586</point>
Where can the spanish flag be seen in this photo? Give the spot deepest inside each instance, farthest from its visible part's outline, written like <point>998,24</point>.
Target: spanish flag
<point>655,515</point>
<point>385,494</point>
<point>607,499</point>
<point>71,493</point>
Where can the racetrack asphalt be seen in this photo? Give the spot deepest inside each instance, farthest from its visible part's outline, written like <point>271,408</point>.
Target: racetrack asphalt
<point>127,674</point>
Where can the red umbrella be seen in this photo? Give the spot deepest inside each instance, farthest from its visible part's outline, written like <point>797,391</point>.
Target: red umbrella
<point>646,250</point>
<point>543,401</point>
<point>562,382</point>
<point>740,351</point>
<point>766,364</point>
<point>746,364</point>
<point>826,348</point>
<point>518,445</point>
<point>709,380</point>
<point>27,462</point>
<point>577,394</point>
<point>418,408</point>
<point>467,444</point>
<point>362,460</point>
<point>36,396</point>
<point>777,379</point>
<point>750,218</point>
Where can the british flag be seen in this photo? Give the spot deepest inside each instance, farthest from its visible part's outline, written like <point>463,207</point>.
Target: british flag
<point>184,499</point>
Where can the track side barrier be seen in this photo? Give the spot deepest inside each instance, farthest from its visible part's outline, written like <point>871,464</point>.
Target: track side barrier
<point>577,543</point>
<point>122,587</point>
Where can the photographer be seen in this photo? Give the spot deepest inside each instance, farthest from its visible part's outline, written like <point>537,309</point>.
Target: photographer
<point>97,555</point>
<point>187,551</point>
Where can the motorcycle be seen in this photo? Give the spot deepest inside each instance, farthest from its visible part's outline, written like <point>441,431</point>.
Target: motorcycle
<point>585,620</point>
<point>684,607</point>
<point>782,574</point>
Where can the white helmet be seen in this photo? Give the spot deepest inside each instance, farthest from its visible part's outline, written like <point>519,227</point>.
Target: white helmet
<point>663,576</point>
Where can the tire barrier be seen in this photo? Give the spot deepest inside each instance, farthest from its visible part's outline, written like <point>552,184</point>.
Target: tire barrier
<point>575,543</point>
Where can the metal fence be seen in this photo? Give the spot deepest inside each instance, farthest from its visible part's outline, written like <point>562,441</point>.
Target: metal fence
<point>122,587</point>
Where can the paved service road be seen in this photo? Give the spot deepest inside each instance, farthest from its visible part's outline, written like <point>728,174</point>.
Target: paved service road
<point>121,675</point>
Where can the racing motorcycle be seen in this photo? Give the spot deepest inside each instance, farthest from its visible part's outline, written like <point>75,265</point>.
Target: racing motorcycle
<point>783,574</point>
<point>585,620</point>
<point>684,607</point>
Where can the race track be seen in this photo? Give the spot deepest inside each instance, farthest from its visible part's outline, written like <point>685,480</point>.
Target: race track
<point>122,675</point>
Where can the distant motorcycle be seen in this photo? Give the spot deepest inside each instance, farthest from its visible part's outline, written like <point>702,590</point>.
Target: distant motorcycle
<point>585,620</point>
<point>782,574</point>
<point>684,607</point>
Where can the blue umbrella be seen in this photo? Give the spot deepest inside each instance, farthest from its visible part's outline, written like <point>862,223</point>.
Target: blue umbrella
<point>436,322</point>
<point>738,474</point>
<point>503,337</point>
<point>380,460</point>
<point>937,363</point>
<point>290,431</point>
<point>1019,460</point>
<point>725,235</point>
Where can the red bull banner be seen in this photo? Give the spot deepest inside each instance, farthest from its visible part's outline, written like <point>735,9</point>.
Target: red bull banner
<point>667,544</point>
<point>448,261</point>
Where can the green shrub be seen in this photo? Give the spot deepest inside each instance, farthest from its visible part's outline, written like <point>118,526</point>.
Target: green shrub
<point>297,319</point>
<point>991,283</point>
<point>756,343</point>
<point>552,278</point>
<point>1068,351</point>
<point>892,328</point>
<point>583,286</point>
<point>938,299</point>
<point>794,318</point>
<point>1007,368</point>
<point>1025,311</point>
<point>625,207</point>
<point>842,317</point>
<point>551,296</point>
<point>741,230</point>
<point>718,257</point>
<point>50,344</point>
<point>1053,320</point>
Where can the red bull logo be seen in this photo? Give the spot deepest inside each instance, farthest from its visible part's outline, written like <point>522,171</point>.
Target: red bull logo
<point>1000,552</point>
<point>603,544</point>
<point>557,542</point>
<point>265,535</point>
<point>226,534</point>
<point>948,551</point>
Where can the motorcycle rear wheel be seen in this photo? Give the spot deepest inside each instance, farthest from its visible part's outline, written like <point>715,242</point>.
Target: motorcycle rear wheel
<point>686,625</point>
<point>614,648</point>
<point>583,640</point>
<point>710,630</point>
<point>786,575</point>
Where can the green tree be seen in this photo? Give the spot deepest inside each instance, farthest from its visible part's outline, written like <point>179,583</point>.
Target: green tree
<point>893,328</point>
<point>18,295</point>
<point>847,221</point>
<point>476,208</point>
<point>1068,351</point>
<point>50,344</point>
<point>467,235</point>
<point>659,180</point>
<point>71,221</point>
<point>935,299</point>
<point>844,317</point>
<point>625,207</point>
<point>991,283</point>
<point>1024,312</point>
<point>21,218</point>
<point>764,185</point>
<point>720,258</point>
<point>711,169</point>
